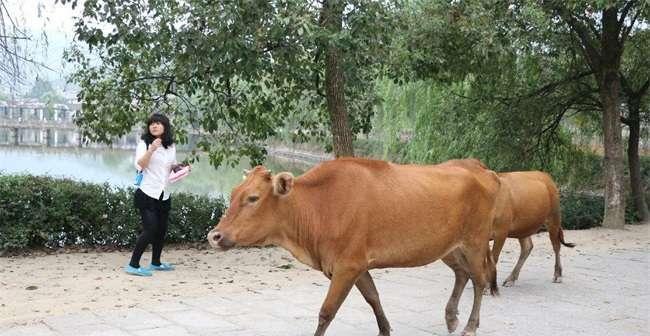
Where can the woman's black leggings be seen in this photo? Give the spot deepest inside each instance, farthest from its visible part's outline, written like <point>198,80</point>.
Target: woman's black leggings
<point>155,216</point>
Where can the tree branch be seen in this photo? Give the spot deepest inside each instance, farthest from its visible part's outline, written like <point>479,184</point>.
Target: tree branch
<point>628,29</point>
<point>644,88</point>
<point>629,90</point>
<point>16,37</point>
<point>150,77</point>
<point>626,121</point>
<point>28,60</point>
<point>588,45</point>
<point>549,87</point>
<point>587,42</point>
<point>625,10</point>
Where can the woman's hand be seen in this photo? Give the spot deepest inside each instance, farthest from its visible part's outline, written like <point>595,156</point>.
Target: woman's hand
<point>155,145</point>
<point>179,166</point>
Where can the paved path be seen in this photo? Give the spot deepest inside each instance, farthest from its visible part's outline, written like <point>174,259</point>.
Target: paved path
<point>606,291</point>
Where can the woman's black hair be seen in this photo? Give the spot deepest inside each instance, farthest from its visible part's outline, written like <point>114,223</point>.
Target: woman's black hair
<point>167,136</point>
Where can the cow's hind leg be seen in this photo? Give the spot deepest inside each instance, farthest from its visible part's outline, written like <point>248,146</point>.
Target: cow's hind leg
<point>456,262</point>
<point>478,272</point>
<point>367,288</point>
<point>554,234</point>
<point>341,281</point>
<point>497,247</point>
<point>557,238</point>
<point>526,246</point>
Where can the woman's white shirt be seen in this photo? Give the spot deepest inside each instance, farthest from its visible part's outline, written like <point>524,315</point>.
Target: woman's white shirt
<point>155,177</point>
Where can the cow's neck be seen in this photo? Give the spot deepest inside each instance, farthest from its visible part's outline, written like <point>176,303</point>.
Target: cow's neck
<point>298,236</point>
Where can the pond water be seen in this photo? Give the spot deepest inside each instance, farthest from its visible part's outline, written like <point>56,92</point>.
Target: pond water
<point>115,167</point>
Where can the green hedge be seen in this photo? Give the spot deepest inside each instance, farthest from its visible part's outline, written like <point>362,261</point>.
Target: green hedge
<point>581,210</point>
<point>40,211</point>
<point>584,210</point>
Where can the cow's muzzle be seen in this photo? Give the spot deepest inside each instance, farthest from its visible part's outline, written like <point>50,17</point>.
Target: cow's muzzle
<point>217,239</point>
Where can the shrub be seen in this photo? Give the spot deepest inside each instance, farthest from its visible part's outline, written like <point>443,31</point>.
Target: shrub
<point>585,209</point>
<point>40,211</point>
<point>581,210</point>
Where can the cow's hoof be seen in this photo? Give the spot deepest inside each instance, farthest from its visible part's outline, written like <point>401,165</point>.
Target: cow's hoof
<point>557,280</point>
<point>468,333</point>
<point>508,283</point>
<point>452,324</point>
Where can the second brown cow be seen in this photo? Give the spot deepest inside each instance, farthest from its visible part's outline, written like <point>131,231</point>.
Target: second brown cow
<point>526,201</point>
<point>347,216</point>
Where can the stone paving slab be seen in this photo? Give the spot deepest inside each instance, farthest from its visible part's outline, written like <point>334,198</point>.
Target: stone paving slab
<point>603,293</point>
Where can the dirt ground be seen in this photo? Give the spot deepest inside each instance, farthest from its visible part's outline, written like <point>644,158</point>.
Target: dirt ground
<point>37,286</point>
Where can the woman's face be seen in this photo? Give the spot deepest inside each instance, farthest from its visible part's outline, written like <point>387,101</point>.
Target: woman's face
<point>156,129</point>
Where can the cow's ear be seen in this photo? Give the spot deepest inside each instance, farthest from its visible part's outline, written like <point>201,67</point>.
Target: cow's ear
<point>282,183</point>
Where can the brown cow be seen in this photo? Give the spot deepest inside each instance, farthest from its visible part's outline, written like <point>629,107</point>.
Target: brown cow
<point>526,201</point>
<point>347,216</point>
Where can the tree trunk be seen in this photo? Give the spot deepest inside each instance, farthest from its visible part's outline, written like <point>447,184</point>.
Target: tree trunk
<point>608,64</point>
<point>636,181</point>
<point>332,19</point>
<point>613,163</point>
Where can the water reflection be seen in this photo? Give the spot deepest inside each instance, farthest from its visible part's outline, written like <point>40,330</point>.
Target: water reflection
<point>115,167</point>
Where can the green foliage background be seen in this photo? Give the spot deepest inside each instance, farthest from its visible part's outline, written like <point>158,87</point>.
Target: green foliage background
<point>506,82</point>
<point>43,211</point>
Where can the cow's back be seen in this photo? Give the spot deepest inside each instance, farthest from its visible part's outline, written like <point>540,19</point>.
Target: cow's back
<point>532,198</point>
<point>404,215</point>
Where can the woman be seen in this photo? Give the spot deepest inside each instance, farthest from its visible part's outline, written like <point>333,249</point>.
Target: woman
<point>154,157</point>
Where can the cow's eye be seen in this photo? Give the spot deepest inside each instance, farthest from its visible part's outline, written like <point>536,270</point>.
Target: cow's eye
<point>252,199</point>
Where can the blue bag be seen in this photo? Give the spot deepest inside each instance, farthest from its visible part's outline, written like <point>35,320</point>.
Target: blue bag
<point>138,178</point>
<point>139,175</point>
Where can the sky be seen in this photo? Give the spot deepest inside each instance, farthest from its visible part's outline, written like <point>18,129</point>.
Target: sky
<point>55,21</point>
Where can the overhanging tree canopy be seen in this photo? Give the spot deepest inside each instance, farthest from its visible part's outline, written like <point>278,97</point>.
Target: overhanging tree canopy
<point>231,69</point>
<point>532,59</point>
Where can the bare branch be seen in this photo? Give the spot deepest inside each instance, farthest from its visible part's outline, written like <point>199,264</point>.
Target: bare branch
<point>13,37</point>
<point>28,60</point>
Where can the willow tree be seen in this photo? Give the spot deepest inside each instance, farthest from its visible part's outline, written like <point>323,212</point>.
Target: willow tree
<point>232,70</point>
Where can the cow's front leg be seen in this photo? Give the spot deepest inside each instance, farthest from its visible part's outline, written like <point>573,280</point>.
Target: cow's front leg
<point>367,288</point>
<point>455,261</point>
<point>341,281</point>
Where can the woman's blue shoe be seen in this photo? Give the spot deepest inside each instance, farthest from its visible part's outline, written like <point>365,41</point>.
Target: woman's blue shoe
<point>161,267</point>
<point>137,271</point>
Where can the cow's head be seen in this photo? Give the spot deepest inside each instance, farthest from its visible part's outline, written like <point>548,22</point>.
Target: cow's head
<point>254,216</point>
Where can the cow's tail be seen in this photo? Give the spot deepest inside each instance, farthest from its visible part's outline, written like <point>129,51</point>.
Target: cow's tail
<point>555,230</point>
<point>561,236</point>
<point>554,223</point>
